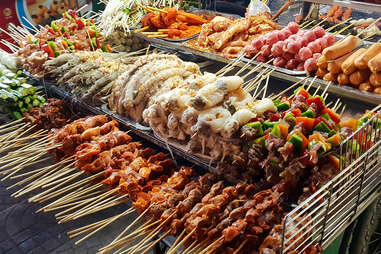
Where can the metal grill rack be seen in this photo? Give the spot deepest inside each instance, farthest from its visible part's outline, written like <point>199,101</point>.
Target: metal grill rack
<point>325,214</point>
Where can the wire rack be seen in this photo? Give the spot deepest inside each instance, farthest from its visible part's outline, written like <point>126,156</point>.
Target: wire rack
<point>326,214</point>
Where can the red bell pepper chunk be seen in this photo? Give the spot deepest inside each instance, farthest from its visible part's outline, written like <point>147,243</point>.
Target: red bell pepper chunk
<point>98,43</point>
<point>321,119</point>
<point>296,112</point>
<point>317,100</point>
<point>275,117</point>
<point>109,49</point>
<point>252,120</point>
<point>80,23</point>
<point>333,115</point>
<point>72,13</point>
<point>66,35</point>
<point>92,20</point>
<point>50,30</point>
<point>48,49</point>
<point>304,93</point>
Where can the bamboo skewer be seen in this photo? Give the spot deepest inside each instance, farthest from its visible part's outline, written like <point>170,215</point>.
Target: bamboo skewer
<point>105,224</point>
<point>152,234</point>
<point>143,229</point>
<point>93,202</point>
<point>155,242</point>
<point>240,247</point>
<point>83,182</point>
<point>71,199</point>
<point>212,245</point>
<point>173,251</point>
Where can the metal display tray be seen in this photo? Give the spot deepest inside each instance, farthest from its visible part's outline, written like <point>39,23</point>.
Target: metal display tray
<point>281,73</point>
<point>197,12</point>
<point>139,130</point>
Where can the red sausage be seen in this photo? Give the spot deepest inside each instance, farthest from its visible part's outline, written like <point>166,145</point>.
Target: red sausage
<point>279,62</point>
<point>305,53</point>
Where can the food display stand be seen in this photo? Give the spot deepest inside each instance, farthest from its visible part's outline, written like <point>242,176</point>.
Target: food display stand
<point>188,102</point>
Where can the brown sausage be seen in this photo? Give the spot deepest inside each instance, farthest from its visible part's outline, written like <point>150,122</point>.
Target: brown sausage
<point>321,72</point>
<point>330,77</point>
<point>366,87</point>
<point>361,62</point>
<point>322,62</point>
<point>374,64</point>
<point>340,48</point>
<point>377,90</point>
<point>348,66</point>
<point>375,79</point>
<point>359,76</point>
<point>343,79</point>
<point>335,66</point>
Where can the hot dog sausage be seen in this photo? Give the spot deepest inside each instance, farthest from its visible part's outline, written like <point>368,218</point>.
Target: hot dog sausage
<point>374,64</point>
<point>359,76</point>
<point>375,79</point>
<point>322,62</point>
<point>377,90</point>
<point>348,65</point>
<point>330,77</point>
<point>361,62</point>
<point>366,87</point>
<point>321,72</point>
<point>340,48</point>
<point>343,79</point>
<point>334,66</point>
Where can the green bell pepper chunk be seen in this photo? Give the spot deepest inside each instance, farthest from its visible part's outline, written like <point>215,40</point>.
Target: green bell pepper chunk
<point>69,17</point>
<point>260,141</point>
<point>283,106</point>
<point>322,127</point>
<point>52,45</point>
<point>16,115</point>
<point>54,25</point>
<point>276,102</point>
<point>290,118</point>
<point>326,116</point>
<point>276,131</point>
<point>297,142</point>
<point>56,53</point>
<point>94,42</point>
<point>309,113</point>
<point>63,30</point>
<point>256,126</point>
<point>331,133</point>
<point>267,124</point>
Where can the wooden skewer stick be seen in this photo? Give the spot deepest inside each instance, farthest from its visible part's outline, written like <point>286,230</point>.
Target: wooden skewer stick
<point>182,242</point>
<point>104,225</point>
<point>157,36</point>
<point>187,249</point>
<point>141,29</point>
<point>247,64</point>
<point>142,229</point>
<point>212,245</point>
<point>68,188</point>
<point>71,198</point>
<point>240,247</point>
<point>57,184</point>
<point>318,24</point>
<point>74,200</point>
<point>176,241</point>
<point>132,224</point>
<point>115,202</point>
<point>20,166</point>
<point>93,202</point>
<point>32,186</point>
<point>342,110</point>
<point>11,123</point>
<point>288,89</point>
<point>152,234</point>
<point>155,242</point>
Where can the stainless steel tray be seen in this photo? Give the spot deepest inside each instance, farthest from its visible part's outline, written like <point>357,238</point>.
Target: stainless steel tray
<point>348,91</point>
<point>279,69</point>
